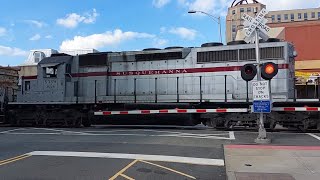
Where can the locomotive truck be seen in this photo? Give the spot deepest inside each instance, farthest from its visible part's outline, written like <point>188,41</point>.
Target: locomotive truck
<point>195,84</point>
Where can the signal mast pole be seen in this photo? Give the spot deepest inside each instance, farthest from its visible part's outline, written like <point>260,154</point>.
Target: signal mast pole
<point>262,137</point>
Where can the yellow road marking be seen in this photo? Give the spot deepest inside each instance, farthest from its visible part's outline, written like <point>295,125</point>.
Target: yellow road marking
<point>17,158</point>
<point>169,169</point>
<point>123,170</point>
<point>12,158</point>
<point>127,177</point>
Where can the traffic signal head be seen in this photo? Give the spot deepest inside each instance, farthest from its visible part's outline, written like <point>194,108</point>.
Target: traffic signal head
<point>269,70</point>
<point>248,72</point>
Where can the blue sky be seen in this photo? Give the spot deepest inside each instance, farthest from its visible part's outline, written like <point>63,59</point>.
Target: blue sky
<point>110,25</point>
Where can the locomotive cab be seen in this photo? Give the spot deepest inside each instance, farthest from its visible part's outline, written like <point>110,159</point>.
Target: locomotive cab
<point>49,84</point>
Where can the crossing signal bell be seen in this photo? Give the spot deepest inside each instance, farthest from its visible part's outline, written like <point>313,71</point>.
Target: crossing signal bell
<point>248,72</point>
<point>268,71</point>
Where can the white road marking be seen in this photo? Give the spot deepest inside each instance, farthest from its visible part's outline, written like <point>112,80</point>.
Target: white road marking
<point>182,133</point>
<point>231,135</point>
<point>61,131</point>
<point>4,132</point>
<point>106,133</point>
<point>34,133</point>
<point>162,158</point>
<point>147,130</point>
<point>313,135</point>
<point>197,137</point>
<point>143,135</point>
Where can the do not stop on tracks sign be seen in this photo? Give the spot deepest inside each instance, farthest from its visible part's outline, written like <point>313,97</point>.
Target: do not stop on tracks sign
<point>261,97</point>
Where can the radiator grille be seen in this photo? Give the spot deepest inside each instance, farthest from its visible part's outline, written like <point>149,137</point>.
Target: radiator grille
<point>218,56</point>
<point>241,55</point>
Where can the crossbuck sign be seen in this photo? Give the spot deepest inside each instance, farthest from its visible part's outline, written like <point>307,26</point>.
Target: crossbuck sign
<point>259,22</point>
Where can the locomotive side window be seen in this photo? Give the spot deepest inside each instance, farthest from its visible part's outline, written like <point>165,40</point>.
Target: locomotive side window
<point>51,72</point>
<point>27,85</point>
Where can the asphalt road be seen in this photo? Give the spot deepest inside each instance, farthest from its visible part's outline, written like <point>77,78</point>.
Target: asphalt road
<point>108,152</point>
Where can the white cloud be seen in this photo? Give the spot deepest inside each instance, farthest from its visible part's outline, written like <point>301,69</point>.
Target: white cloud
<point>48,37</point>
<point>72,20</point>
<point>159,42</point>
<point>3,31</point>
<point>108,38</point>
<point>91,18</point>
<point>160,3</point>
<point>35,37</point>
<point>184,33</point>
<point>35,23</point>
<point>290,4</point>
<point>12,51</point>
<point>163,30</point>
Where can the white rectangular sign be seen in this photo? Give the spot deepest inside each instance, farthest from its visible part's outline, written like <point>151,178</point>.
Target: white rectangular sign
<point>260,90</point>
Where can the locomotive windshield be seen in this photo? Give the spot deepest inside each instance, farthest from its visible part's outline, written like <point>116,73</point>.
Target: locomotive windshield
<point>51,71</point>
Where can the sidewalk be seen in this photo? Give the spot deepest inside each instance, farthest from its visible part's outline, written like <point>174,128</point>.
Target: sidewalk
<point>255,162</point>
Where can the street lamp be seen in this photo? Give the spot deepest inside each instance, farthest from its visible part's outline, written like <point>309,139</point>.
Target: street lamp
<point>216,19</point>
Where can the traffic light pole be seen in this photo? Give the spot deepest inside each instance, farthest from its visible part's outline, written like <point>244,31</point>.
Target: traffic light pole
<point>262,137</point>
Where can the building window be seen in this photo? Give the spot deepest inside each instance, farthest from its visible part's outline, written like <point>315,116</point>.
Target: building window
<point>305,16</point>
<point>233,12</point>
<point>279,17</point>
<point>27,85</point>
<point>299,16</point>
<point>273,18</point>
<point>313,15</point>
<point>318,15</point>
<point>234,28</point>
<point>292,17</point>
<point>249,9</point>
<point>286,17</point>
<point>241,9</point>
<point>38,56</point>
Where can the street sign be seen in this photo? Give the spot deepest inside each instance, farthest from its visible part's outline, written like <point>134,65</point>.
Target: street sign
<point>261,106</point>
<point>259,22</point>
<point>261,97</point>
<point>260,90</point>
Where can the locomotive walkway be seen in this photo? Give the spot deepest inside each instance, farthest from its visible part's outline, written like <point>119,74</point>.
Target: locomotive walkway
<point>108,152</point>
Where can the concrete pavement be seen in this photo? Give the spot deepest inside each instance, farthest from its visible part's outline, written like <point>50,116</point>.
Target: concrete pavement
<point>272,162</point>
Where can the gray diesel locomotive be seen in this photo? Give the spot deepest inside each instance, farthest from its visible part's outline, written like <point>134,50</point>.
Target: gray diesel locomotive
<point>68,89</point>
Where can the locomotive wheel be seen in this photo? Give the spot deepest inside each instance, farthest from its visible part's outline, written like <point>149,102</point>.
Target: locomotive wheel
<point>86,122</point>
<point>77,123</point>
<point>12,120</point>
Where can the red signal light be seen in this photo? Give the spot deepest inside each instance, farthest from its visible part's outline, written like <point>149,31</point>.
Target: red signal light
<point>248,70</point>
<point>269,69</point>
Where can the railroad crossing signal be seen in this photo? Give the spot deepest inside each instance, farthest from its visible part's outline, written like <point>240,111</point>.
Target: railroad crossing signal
<point>259,22</point>
<point>268,71</point>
